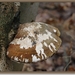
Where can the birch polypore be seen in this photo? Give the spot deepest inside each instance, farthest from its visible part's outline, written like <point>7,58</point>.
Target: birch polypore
<point>34,42</point>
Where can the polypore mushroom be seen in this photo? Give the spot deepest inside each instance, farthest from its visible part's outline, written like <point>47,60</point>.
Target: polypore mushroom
<point>34,42</point>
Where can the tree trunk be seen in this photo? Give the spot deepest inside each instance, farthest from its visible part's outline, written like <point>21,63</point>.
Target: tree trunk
<point>7,13</point>
<point>28,12</point>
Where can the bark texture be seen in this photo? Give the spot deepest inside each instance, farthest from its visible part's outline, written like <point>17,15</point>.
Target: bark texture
<point>7,13</point>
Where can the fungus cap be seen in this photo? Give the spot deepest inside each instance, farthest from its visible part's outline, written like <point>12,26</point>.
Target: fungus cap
<point>34,42</point>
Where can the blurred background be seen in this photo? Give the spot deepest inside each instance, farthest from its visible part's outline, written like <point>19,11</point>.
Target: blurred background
<point>62,16</point>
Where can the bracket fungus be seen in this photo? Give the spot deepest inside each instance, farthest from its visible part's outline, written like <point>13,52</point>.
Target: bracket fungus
<point>34,42</point>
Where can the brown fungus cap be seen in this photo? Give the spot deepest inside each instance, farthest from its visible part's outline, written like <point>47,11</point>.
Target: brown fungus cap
<point>34,42</point>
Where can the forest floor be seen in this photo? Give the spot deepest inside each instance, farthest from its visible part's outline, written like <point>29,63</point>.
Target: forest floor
<point>62,16</point>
